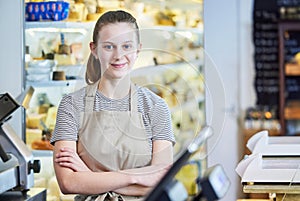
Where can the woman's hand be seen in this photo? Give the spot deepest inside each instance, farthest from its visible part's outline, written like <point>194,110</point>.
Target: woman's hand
<point>68,158</point>
<point>134,190</point>
<point>148,176</point>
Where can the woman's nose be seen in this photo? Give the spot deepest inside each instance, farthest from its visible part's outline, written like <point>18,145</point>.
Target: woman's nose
<point>118,52</point>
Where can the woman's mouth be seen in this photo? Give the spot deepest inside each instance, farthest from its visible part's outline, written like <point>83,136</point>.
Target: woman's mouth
<point>118,65</point>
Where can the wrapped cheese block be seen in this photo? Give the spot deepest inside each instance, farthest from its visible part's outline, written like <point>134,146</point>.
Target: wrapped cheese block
<point>64,59</point>
<point>33,135</point>
<point>33,120</point>
<point>42,144</point>
<point>51,118</point>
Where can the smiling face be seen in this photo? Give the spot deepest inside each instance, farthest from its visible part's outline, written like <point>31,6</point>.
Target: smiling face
<point>117,49</point>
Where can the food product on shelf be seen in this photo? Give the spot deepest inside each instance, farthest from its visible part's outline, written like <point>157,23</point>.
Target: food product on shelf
<point>59,75</point>
<point>51,118</point>
<point>48,10</point>
<point>42,144</point>
<point>39,70</point>
<point>33,120</point>
<point>32,135</point>
<point>78,11</point>
<point>64,59</point>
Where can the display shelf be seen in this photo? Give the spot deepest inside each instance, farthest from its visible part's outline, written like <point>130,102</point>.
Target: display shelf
<point>89,24</point>
<point>189,104</point>
<point>180,49</point>
<point>288,71</point>
<point>196,30</point>
<point>292,110</point>
<point>42,153</point>
<point>55,83</point>
<point>292,69</point>
<point>292,114</point>
<point>59,25</point>
<point>182,4</point>
<point>70,26</point>
<point>157,69</point>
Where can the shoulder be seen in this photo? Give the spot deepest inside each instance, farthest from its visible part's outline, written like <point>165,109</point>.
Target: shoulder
<point>149,97</point>
<point>146,93</point>
<point>150,102</point>
<point>74,99</point>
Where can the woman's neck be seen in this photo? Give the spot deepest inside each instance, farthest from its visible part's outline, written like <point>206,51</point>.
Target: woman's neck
<point>115,89</point>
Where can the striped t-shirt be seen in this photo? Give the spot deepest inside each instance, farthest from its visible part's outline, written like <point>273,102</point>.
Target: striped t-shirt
<point>154,110</point>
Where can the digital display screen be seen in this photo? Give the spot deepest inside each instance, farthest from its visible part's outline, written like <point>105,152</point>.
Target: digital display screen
<point>7,106</point>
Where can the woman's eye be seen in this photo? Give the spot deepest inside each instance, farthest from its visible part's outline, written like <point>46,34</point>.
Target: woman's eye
<point>127,46</point>
<point>108,47</point>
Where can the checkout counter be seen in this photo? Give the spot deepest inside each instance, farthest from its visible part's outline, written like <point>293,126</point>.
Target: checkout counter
<point>273,166</point>
<point>17,166</point>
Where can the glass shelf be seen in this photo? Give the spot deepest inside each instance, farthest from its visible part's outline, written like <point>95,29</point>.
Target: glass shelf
<point>42,153</point>
<point>55,83</point>
<point>59,24</point>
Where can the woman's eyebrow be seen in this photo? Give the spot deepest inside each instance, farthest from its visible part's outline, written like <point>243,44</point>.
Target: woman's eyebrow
<point>128,41</point>
<point>106,42</point>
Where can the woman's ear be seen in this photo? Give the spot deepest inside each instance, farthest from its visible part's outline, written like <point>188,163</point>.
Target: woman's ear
<point>139,47</point>
<point>93,49</point>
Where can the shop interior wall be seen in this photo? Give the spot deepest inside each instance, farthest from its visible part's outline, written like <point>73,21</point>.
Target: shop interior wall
<point>228,44</point>
<point>11,54</point>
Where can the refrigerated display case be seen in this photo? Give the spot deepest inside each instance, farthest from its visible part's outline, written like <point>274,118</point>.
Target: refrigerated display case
<point>171,64</point>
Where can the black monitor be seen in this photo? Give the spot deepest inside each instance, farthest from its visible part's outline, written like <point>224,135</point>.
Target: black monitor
<point>163,187</point>
<point>7,106</point>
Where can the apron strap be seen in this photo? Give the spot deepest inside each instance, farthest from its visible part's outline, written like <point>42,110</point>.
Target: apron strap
<point>90,97</point>
<point>133,99</point>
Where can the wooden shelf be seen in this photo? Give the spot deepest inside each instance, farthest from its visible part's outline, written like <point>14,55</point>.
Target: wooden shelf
<point>292,114</point>
<point>286,111</point>
<point>292,110</point>
<point>288,192</point>
<point>292,69</point>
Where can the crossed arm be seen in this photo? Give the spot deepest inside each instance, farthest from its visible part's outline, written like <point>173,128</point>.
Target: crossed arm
<point>75,177</point>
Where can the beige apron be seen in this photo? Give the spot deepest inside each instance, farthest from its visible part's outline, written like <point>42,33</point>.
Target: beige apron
<point>112,140</point>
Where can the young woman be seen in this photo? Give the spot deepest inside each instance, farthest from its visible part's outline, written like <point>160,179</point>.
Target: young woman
<point>113,139</point>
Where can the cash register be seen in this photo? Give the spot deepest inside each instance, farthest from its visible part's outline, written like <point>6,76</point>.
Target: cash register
<point>17,165</point>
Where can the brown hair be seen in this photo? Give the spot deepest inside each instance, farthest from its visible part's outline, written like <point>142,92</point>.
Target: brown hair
<point>93,71</point>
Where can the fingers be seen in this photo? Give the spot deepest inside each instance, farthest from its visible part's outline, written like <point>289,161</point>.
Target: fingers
<point>66,152</point>
<point>65,157</point>
<point>65,161</point>
<point>61,158</point>
<point>68,158</point>
<point>67,165</point>
<point>67,149</point>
